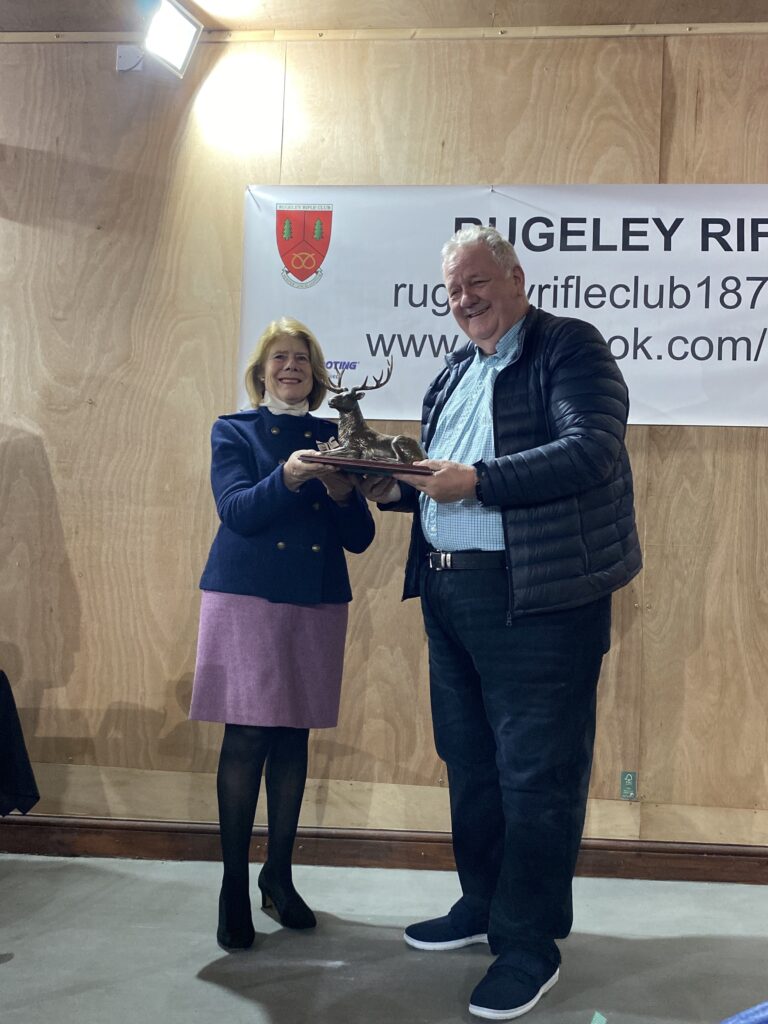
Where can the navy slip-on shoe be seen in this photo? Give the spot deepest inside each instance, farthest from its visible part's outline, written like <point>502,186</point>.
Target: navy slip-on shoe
<point>458,928</point>
<point>512,986</point>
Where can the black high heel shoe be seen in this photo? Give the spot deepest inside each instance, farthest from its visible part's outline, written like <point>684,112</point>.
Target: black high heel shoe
<point>290,908</point>
<point>235,931</point>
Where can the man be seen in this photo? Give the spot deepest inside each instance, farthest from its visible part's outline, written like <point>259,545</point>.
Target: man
<point>519,539</point>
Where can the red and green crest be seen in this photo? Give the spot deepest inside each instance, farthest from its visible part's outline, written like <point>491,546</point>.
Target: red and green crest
<point>303,237</point>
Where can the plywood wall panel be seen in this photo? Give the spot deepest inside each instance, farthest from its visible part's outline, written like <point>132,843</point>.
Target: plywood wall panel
<point>617,746</point>
<point>417,113</point>
<point>715,110</point>
<point>704,705</point>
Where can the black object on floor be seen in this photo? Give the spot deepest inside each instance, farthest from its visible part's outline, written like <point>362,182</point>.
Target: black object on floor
<point>18,789</point>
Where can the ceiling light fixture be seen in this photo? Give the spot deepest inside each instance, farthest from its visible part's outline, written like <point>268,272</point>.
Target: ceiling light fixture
<point>172,36</point>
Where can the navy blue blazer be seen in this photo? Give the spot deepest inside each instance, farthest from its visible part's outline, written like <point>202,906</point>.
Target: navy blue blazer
<point>285,546</point>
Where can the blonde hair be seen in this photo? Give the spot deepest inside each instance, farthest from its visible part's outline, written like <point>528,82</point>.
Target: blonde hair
<point>254,371</point>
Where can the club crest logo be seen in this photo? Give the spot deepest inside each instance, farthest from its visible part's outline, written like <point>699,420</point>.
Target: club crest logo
<point>303,236</point>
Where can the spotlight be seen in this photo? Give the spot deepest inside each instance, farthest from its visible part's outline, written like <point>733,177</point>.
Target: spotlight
<point>172,36</point>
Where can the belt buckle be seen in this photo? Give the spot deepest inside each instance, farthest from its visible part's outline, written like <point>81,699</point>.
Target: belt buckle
<point>445,561</point>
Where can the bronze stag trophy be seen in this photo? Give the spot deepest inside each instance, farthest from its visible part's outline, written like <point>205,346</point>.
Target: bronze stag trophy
<point>361,449</point>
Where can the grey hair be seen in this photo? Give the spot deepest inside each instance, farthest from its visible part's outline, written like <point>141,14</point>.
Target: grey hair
<point>477,234</point>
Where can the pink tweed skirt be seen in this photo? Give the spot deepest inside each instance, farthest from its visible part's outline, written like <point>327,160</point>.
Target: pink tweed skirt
<point>260,663</point>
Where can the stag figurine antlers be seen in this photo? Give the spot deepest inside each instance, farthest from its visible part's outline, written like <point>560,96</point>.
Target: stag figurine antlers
<point>359,441</point>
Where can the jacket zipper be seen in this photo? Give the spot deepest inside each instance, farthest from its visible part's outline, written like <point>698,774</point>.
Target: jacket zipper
<point>507,546</point>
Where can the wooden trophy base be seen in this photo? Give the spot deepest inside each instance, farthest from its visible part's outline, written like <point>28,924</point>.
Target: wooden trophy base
<point>368,467</point>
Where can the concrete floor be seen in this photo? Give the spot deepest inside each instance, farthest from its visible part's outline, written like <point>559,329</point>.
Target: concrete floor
<point>91,941</point>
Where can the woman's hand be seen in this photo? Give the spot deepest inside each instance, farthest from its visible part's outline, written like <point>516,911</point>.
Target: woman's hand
<point>296,472</point>
<point>336,482</point>
<point>380,488</point>
<point>339,485</point>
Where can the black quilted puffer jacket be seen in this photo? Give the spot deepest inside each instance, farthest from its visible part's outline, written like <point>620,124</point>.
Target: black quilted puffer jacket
<point>561,475</point>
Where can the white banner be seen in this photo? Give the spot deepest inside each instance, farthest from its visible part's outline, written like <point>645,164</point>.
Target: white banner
<point>674,276</point>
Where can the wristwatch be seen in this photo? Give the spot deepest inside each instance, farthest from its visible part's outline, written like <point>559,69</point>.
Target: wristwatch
<point>479,468</point>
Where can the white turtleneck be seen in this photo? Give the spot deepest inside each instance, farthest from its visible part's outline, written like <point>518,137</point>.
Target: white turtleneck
<point>280,408</point>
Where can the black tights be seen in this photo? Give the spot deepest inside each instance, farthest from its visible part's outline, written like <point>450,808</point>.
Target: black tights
<point>245,751</point>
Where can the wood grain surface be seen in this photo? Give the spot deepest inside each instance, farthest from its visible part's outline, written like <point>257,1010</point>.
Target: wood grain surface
<point>715,110</point>
<point>118,15</point>
<point>443,113</point>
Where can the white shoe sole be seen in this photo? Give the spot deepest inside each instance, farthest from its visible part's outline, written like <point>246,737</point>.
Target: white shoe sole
<point>518,1011</point>
<point>468,940</point>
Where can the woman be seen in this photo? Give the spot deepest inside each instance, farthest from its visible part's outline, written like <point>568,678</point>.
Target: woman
<point>273,615</point>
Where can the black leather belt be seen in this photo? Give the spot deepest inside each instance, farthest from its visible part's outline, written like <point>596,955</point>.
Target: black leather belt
<point>439,560</point>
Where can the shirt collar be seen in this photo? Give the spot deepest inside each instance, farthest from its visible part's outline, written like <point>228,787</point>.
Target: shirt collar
<point>506,346</point>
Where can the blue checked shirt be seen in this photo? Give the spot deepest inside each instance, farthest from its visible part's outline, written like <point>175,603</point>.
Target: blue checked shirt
<point>464,434</point>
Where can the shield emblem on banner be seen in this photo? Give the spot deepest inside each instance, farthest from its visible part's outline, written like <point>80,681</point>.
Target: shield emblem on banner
<point>303,237</point>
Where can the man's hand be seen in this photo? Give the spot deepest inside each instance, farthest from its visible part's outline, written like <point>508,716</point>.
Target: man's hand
<point>451,481</point>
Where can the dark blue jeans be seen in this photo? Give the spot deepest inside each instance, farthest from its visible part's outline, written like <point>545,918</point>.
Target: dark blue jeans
<point>513,709</point>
